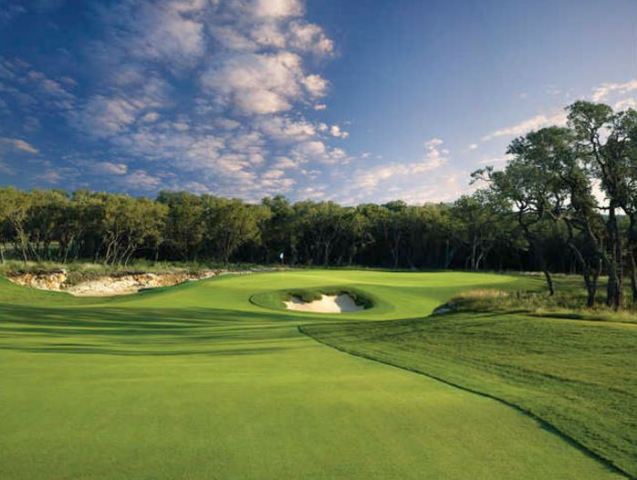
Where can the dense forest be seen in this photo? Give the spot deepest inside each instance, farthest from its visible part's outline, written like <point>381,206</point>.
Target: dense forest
<point>566,201</point>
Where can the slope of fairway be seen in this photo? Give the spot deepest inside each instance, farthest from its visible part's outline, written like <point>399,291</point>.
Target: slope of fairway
<point>196,381</point>
<point>576,375</point>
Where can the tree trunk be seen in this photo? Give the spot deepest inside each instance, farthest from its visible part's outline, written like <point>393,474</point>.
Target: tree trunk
<point>326,253</point>
<point>633,277</point>
<point>615,274</point>
<point>549,281</point>
<point>395,251</point>
<point>590,273</point>
<point>538,252</point>
<point>23,249</point>
<point>591,279</point>
<point>547,275</point>
<point>613,294</point>
<point>632,250</point>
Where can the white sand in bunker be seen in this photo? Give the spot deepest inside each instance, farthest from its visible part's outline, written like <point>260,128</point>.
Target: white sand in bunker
<point>327,304</point>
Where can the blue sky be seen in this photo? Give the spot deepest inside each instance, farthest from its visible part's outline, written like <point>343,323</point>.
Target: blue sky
<point>354,101</point>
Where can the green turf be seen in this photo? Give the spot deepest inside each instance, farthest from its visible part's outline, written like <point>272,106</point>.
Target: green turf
<point>575,374</point>
<point>197,382</point>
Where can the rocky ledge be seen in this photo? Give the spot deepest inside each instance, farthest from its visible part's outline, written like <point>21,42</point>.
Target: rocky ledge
<point>121,283</point>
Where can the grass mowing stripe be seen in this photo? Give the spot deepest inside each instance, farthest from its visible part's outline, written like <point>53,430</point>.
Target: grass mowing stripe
<point>197,382</point>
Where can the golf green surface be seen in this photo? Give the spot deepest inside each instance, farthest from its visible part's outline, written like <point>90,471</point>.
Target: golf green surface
<point>199,382</point>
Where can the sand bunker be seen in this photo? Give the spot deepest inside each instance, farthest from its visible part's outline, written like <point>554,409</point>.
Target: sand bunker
<point>327,304</point>
<point>115,284</point>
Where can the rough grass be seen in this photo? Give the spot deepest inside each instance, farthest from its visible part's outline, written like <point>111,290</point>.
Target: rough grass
<point>566,303</point>
<point>567,368</point>
<point>196,382</point>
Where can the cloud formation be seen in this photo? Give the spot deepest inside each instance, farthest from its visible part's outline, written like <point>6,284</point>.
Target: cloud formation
<point>431,178</point>
<point>533,123</point>
<point>604,91</point>
<point>619,94</point>
<point>213,96</point>
<point>18,145</point>
<point>229,97</point>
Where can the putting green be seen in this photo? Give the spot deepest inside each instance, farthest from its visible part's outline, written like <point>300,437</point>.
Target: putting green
<point>197,382</point>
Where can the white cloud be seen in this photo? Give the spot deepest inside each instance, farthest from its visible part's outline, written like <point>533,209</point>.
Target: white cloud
<point>242,127</point>
<point>315,85</point>
<point>227,123</point>
<point>275,179</point>
<point>435,157</point>
<point>257,84</point>
<point>310,37</point>
<point>316,192</point>
<point>318,151</point>
<point>311,148</point>
<point>276,8</point>
<point>336,131</point>
<point>604,91</point>
<point>625,104</point>
<point>284,163</point>
<point>194,187</point>
<point>273,174</point>
<point>287,130</point>
<point>33,90</point>
<point>161,30</point>
<point>107,115</point>
<point>13,145</point>
<point>444,188</point>
<point>110,168</point>
<point>140,179</point>
<point>150,117</point>
<point>50,176</point>
<point>232,39</point>
<point>17,144</point>
<point>525,126</point>
<point>269,35</point>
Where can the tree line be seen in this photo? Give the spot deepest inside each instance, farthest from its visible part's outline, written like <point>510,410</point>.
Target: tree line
<point>55,225</point>
<point>566,201</point>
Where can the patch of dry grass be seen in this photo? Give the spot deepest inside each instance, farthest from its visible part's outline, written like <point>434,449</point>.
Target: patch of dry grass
<point>566,304</point>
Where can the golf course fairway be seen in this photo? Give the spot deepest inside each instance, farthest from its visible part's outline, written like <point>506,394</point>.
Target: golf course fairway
<point>203,381</point>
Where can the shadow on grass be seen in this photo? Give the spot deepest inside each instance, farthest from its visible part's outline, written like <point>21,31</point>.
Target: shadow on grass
<point>139,331</point>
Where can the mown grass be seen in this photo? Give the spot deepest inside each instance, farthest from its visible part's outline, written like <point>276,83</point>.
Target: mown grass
<point>195,381</point>
<point>564,367</point>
